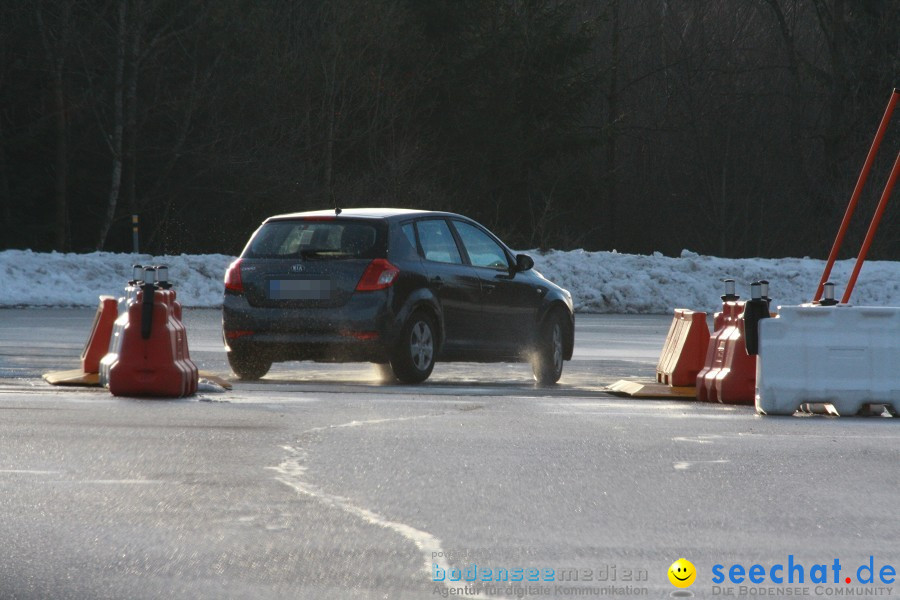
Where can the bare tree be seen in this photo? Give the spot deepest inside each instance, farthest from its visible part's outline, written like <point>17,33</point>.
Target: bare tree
<point>56,34</point>
<point>118,125</point>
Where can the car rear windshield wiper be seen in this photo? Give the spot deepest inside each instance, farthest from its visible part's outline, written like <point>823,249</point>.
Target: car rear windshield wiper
<point>315,252</point>
<point>324,253</point>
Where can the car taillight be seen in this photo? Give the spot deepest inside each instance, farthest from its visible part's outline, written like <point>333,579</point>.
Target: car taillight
<point>233,280</point>
<point>380,274</point>
<point>234,334</point>
<point>363,336</point>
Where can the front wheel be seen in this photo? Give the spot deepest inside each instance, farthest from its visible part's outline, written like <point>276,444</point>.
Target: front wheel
<point>248,366</point>
<point>547,362</point>
<point>413,358</point>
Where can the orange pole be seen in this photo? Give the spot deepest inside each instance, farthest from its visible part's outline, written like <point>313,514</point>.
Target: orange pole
<point>873,227</point>
<point>854,199</point>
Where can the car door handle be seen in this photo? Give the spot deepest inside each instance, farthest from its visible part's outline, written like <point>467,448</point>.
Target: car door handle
<point>437,282</point>
<point>488,287</point>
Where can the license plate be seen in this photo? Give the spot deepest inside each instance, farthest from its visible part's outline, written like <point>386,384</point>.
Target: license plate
<point>300,289</point>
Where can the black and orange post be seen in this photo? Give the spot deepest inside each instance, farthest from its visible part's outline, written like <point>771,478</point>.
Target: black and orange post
<point>135,234</point>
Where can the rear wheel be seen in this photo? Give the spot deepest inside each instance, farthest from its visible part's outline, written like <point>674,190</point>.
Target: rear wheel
<point>247,365</point>
<point>547,362</point>
<point>413,358</point>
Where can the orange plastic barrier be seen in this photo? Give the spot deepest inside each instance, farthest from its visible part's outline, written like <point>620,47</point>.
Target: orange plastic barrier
<point>194,371</point>
<point>729,373</point>
<point>684,352</point>
<point>152,357</point>
<point>98,342</point>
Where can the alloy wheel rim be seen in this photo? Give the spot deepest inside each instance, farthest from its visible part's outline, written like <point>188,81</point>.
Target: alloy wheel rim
<point>556,341</point>
<point>421,345</point>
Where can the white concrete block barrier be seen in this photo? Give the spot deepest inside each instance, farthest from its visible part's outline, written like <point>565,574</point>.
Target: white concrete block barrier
<point>846,356</point>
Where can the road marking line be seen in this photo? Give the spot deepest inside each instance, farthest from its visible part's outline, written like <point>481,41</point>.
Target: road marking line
<point>361,423</point>
<point>123,481</point>
<point>291,473</point>
<point>685,465</point>
<point>28,472</point>
<point>84,481</point>
<point>700,439</point>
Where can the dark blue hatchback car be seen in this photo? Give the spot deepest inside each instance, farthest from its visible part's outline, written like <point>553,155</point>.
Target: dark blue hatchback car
<point>400,288</point>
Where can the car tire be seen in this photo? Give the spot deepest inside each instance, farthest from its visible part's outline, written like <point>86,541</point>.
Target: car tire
<point>247,365</point>
<point>547,361</point>
<point>413,358</point>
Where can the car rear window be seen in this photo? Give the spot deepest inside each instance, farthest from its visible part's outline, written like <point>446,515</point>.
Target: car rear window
<point>315,239</point>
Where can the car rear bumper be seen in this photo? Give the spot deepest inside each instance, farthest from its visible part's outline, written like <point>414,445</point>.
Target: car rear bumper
<point>361,330</point>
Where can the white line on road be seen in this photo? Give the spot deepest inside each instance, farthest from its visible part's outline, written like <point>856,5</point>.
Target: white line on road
<point>28,472</point>
<point>85,481</point>
<point>687,464</point>
<point>700,439</point>
<point>361,423</point>
<point>124,481</point>
<point>291,473</point>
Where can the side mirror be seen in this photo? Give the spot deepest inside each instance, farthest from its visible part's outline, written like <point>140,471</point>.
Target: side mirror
<point>524,262</point>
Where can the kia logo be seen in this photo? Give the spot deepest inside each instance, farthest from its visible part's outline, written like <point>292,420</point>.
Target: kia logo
<point>297,269</point>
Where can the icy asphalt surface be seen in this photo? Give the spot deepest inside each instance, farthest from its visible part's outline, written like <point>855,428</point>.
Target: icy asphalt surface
<point>321,483</point>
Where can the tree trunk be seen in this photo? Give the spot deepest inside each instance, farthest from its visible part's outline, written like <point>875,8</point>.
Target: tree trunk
<point>836,35</point>
<point>60,212</point>
<point>118,126</point>
<point>331,107</point>
<point>198,90</point>
<point>329,145</point>
<point>612,131</point>
<point>130,137</point>
<point>6,227</point>
<point>55,48</point>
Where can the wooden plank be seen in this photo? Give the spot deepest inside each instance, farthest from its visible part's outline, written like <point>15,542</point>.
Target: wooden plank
<point>650,389</point>
<point>77,377</point>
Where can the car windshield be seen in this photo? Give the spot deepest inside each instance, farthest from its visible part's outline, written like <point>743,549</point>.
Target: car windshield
<point>314,239</point>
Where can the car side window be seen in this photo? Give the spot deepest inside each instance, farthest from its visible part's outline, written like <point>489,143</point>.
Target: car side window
<point>482,249</point>
<point>410,233</point>
<point>437,241</point>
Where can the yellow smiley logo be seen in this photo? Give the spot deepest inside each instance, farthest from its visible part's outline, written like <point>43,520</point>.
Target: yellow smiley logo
<point>682,573</point>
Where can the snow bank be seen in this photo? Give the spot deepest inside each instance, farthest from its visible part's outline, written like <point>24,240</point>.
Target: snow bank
<point>39,279</point>
<point>604,282</point>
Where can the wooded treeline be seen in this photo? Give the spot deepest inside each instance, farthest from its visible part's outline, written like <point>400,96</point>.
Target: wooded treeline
<point>728,127</point>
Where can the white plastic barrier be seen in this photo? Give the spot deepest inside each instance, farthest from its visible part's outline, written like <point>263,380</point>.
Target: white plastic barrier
<point>846,356</point>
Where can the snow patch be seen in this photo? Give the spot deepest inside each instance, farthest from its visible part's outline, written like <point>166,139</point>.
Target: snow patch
<point>600,282</point>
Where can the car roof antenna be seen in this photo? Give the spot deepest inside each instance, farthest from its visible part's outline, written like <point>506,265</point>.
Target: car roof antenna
<point>337,211</point>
